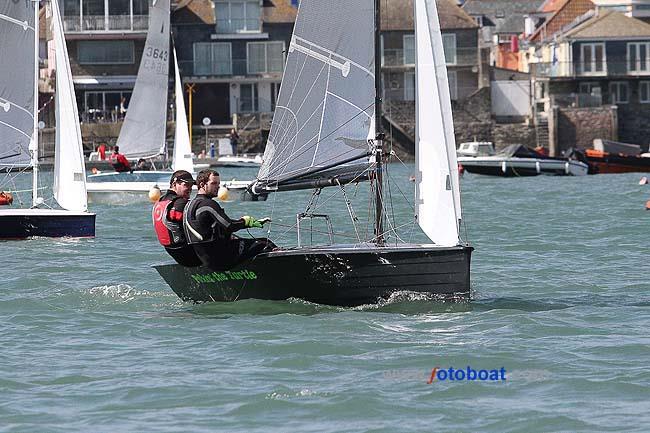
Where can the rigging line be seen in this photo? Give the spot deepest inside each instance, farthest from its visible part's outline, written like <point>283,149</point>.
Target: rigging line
<point>318,205</point>
<point>294,156</point>
<point>353,217</point>
<point>345,235</point>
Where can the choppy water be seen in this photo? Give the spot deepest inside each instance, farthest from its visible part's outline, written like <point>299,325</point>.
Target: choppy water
<point>93,340</point>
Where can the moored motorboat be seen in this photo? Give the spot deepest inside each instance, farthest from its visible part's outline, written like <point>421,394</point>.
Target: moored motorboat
<point>518,160</point>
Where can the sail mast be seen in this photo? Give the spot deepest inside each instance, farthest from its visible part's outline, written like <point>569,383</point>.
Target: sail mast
<point>379,133</point>
<point>34,141</point>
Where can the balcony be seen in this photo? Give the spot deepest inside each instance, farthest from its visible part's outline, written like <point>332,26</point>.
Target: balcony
<point>222,69</point>
<point>608,69</point>
<point>239,26</point>
<point>102,23</point>
<point>400,58</point>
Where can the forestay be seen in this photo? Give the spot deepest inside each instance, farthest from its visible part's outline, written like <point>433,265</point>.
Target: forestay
<point>437,185</point>
<point>144,128</point>
<point>17,82</point>
<point>182,159</point>
<point>325,107</point>
<point>69,170</point>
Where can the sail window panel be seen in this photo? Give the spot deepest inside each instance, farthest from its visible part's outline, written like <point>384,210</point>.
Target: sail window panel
<point>265,57</point>
<point>238,16</point>
<point>93,13</point>
<point>409,49</point>
<point>449,47</point>
<point>105,52</point>
<point>212,58</point>
<point>644,92</point>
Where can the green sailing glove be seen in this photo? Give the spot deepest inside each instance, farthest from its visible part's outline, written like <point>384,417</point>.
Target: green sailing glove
<point>251,222</point>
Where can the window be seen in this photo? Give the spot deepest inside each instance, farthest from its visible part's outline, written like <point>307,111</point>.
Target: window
<point>264,57</point>
<point>449,46</point>
<point>592,59</point>
<point>103,106</point>
<point>238,16</point>
<point>589,88</point>
<point>453,86</point>
<point>644,92</point>
<point>93,15</point>
<point>275,91</point>
<point>638,59</point>
<point>409,86</point>
<point>618,92</point>
<point>248,98</point>
<point>102,15</point>
<point>212,58</point>
<point>105,52</point>
<point>409,49</point>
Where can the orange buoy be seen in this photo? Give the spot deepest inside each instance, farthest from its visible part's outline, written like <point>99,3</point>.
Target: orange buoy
<point>6,198</point>
<point>647,205</point>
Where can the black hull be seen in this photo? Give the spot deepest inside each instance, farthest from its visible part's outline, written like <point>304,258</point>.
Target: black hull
<point>618,164</point>
<point>52,226</point>
<point>347,277</point>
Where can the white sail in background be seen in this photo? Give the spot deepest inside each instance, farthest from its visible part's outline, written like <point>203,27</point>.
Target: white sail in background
<point>144,128</point>
<point>17,85</point>
<point>326,102</point>
<point>182,159</point>
<point>437,184</point>
<point>69,170</point>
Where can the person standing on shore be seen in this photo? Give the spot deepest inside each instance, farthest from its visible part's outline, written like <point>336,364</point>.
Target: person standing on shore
<point>234,140</point>
<point>167,215</point>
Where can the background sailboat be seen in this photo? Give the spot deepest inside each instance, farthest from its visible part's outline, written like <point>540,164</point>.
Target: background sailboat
<point>19,129</point>
<point>324,134</point>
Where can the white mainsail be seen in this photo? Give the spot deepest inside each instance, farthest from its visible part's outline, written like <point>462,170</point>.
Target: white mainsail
<point>437,189</point>
<point>69,170</point>
<point>17,91</point>
<point>143,132</point>
<point>182,159</point>
<point>326,102</point>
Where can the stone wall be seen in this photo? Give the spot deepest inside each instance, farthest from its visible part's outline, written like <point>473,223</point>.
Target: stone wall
<point>578,127</point>
<point>514,133</point>
<point>634,124</point>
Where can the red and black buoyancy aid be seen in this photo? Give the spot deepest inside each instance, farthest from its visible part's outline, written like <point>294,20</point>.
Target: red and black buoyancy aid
<point>170,234</point>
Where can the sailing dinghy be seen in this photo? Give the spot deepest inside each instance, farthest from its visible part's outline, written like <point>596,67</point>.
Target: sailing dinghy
<point>19,128</point>
<point>324,133</point>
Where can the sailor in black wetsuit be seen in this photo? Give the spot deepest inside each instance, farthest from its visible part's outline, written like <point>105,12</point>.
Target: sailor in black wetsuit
<point>167,217</point>
<point>210,231</point>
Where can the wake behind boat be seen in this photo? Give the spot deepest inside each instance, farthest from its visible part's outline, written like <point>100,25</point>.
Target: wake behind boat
<point>324,134</point>
<point>518,160</point>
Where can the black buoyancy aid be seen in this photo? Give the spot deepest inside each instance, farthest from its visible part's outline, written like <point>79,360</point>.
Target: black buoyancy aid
<point>170,234</point>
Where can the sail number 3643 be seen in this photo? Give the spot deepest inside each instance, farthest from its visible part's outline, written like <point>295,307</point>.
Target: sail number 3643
<point>156,53</point>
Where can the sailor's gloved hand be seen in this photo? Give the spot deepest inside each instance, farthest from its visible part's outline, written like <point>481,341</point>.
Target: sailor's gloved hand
<point>251,222</point>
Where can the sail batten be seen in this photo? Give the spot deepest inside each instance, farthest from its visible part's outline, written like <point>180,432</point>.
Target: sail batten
<point>17,94</point>
<point>437,183</point>
<point>325,105</point>
<point>143,132</point>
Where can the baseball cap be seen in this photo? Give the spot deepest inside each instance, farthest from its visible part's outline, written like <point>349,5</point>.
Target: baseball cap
<point>184,177</point>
